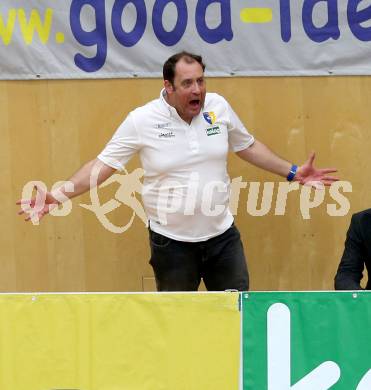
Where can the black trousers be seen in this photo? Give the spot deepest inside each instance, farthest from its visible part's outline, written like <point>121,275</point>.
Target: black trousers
<point>219,261</point>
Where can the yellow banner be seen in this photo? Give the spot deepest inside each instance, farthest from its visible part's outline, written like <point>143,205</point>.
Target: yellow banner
<point>185,341</point>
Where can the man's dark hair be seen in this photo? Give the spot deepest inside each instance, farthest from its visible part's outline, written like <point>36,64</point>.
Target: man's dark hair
<point>168,70</point>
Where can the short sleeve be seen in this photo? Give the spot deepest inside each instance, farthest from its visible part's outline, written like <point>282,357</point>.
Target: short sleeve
<point>122,146</point>
<point>238,136</point>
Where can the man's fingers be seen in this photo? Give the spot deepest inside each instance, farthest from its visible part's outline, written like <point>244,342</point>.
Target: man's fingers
<point>311,158</point>
<point>317,184</point>
<point>27,206</point>
<point>325,180</point>
<point>38,188</point>
<point>23,201</point>
<point>34,217</point>
<point>328,170</point>
<point>329,182</point>
<point>33,209</point>
<point>331,178</point>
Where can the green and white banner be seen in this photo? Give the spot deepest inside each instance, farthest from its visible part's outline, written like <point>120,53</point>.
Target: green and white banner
<point>132,38</point>
<point>307,341</point>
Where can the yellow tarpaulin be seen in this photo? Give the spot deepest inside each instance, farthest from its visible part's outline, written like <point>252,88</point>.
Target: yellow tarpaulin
<point>157,341</point>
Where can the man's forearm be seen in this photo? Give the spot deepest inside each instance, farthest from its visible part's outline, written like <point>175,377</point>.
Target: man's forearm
<point>90,175</point>
<point>261,156</point>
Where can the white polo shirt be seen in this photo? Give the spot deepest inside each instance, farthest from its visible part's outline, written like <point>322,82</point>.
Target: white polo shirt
<point>186,184</point>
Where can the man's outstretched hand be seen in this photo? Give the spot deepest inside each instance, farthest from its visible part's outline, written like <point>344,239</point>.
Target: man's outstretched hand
<point>308,174</point>
<point>38,206</point>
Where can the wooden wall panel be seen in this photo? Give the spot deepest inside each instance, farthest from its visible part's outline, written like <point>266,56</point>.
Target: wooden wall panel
<point>48,129</point>
<point>7,226</point>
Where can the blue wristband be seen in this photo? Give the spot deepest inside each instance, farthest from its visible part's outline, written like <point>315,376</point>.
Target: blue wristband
<point>292,173</point>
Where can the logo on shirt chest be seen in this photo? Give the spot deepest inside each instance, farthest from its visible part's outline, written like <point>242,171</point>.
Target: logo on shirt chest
<point>165,132</point>
<point>210,117</point>
<point>168,134</point>
<point>213,130</point>
<point>162,125</point>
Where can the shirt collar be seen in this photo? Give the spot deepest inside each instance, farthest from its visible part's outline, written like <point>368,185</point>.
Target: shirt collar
<point>172,110</point>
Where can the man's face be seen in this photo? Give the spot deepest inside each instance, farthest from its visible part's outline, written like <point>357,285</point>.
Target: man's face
<point>187,94</point>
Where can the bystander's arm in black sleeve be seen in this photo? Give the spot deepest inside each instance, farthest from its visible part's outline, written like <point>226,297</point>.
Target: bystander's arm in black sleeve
<point>350,270</point>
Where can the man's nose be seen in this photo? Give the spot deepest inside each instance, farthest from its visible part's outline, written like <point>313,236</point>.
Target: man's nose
<point>196,88</point>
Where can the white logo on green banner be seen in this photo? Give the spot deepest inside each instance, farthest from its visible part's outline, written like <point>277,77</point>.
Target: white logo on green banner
<point>307,341</point>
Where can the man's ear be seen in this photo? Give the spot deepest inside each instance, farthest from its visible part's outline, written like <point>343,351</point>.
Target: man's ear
<point>169,88</point>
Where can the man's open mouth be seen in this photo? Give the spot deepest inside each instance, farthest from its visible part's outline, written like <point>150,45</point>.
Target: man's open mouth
<point>195,103</point>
